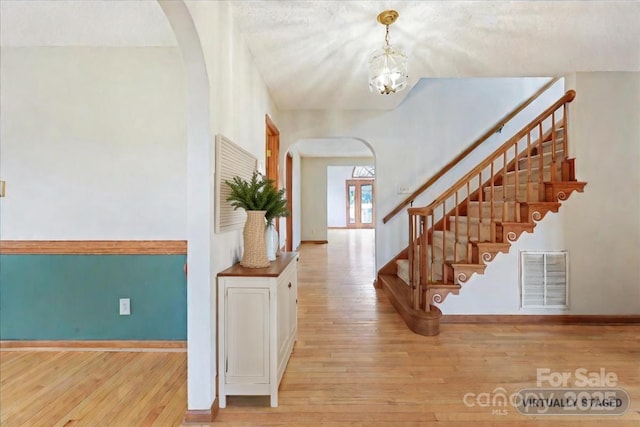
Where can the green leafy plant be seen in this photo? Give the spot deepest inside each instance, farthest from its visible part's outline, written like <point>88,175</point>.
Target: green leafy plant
<point>258,194</point>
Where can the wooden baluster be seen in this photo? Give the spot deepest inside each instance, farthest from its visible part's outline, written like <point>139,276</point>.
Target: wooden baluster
<point>529,166</point>
<point>553,138</point>
<point>444,236</point>
<point>457,233</point>
<point>565,140</point>
<point>517,168</point>
<point>480,200</point>
<point>468,217</point>
<point>491,204</point>
<point>504,193</point>
<point>540,164</point>
<point>540,148</point>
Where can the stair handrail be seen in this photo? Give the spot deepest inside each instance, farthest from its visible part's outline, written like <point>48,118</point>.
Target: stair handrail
<point>566,98</point>
<point>446,168</point>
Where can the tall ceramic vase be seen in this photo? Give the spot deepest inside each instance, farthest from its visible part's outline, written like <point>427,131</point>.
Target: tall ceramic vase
<point>255,248</point>
<point>273,242</point>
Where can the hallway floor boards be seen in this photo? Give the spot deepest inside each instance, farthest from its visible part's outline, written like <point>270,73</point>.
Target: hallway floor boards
<point>355,363</point>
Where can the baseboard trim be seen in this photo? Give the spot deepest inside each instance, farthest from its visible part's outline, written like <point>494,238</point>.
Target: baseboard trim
<point>549,319</point>
<point>314,242</point>
<point>194,416</point>
<point>93,247</point>
<point>94,344</point>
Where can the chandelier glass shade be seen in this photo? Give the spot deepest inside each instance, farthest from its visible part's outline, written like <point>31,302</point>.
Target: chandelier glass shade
<point>388,65</point>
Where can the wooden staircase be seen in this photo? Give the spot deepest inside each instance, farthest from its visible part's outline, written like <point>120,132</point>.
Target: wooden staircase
<point>456,236</point>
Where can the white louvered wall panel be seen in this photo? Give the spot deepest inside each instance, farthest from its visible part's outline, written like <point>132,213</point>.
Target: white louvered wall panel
<point>544,279</point>
<point>231,160</point>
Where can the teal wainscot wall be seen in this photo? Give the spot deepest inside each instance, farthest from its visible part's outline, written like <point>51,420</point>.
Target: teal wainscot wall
<point>76,297</point>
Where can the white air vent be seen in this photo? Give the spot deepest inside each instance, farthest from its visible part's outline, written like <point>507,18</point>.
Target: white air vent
<point>544,278</point>
<point>231,160</point>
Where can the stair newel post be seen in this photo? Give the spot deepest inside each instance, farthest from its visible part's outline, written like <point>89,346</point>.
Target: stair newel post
<point>425,268</point>
<point>430,260</point>
<point>421,283</point>
<point>411,255</point>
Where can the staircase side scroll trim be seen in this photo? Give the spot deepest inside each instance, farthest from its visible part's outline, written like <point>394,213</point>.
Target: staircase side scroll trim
<point>446,168</point>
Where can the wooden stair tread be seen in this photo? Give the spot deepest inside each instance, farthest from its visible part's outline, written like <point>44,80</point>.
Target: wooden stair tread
<point>467,265</point>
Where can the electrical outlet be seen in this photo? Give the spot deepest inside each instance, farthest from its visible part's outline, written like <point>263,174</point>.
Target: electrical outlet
<point>125,306</point>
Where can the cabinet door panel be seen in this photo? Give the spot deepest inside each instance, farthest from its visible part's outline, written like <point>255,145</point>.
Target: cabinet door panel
<point>283,316</point>
<point>293,307</point>
<point>247,335</point>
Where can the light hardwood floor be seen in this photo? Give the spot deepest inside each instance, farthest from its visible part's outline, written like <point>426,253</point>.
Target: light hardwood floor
<point>355,363</point>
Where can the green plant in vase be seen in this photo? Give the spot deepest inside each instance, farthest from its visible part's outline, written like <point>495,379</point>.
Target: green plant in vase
<point>263,202</point>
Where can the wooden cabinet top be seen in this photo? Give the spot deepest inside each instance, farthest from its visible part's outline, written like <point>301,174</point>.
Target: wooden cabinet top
<point>274,270</point>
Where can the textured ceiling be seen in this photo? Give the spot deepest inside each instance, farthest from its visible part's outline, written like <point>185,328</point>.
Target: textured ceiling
<point>313,54</point>
<point>84,23</point>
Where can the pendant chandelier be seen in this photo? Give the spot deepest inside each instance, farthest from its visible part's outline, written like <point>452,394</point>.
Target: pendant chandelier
<point>387,66</point>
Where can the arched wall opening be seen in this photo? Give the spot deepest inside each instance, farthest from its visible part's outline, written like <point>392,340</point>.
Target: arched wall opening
<point>201,356</point>
<point>312,161</point>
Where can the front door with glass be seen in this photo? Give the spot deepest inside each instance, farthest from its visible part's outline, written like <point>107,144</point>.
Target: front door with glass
<point>360,203</point>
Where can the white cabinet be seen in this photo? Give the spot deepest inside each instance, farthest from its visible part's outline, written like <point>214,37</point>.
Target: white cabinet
<point>257,327</point>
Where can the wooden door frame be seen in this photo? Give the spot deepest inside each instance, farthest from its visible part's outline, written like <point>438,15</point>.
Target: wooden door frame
<point>289,187</point>
<point>272,153</point>
<point>358,183</point>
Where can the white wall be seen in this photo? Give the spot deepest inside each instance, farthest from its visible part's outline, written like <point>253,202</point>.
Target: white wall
<point>313,214</point>
<point>337,195</point>
<point>238,102</point>
<point>93,143</point>
<point>599,228</point>
<point>437,120</point>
